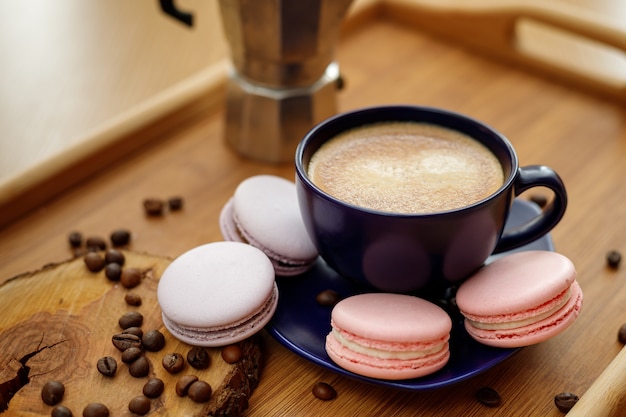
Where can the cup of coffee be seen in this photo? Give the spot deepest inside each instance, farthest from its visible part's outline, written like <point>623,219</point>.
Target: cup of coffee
<point>408,198</point>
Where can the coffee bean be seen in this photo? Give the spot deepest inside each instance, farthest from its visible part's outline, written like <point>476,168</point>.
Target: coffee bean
<point>199,392</point>
<point>153,341</point>
<point>61,411</point>
<point>132,299</point>
<point>134,330</point>
<point>488,397</point>
<point>114,256</point>
<point>183,384</point>
<point>153,388</point>
<point>324,391</point>
<point>153,206</point>
<point>75,239</point>
<point>131,354</point>
<point>231,354</point>
<point>565,401</point>
<point>327,298</point>
<point>113,271</point>
<point>139,405</point>
<point>96,410</point>
<point>52,392</point>
<point>131,319</point>
<point>131,277</point>
<point>95,243</point>
<point>198,357</point>
<point>175,203</point>
<point>94,261</point>
<point>120,237</point>
<point>107,366</point>
<point>173,362</point>
<point>123,341</point>
<point>139,367</point>
<point>613,259</point>
<point>621,334</point>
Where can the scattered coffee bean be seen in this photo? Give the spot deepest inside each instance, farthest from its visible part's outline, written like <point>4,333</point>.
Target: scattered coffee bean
<point>621,334</point>
<point>183,384</point>
<point>139,367</point>
<point>131,354</point>
<point>139,405</point>
<point>324,391</point>
<point>134,330</point>
<point>132,299</point>
<point>231,354</point>
<point>107,366</point>
<point>75,239</point>
<point>153,341</point>
<point>173,362</point>
<point>540,200</point>
<point>120,237</point>
<point>198,357</point>
<point>327,298</point>
<point>613,259</point>
<point>123,341</point>
<point>199,392</point>
<point>114,256</point>
<point>131,319</point>
<point>94,261</point>
<point>153,206</point>
<point>131,277</point>
<point>52,392</point>
<point>95,243</point>
<point>565,401</point>
<point>61,411</point>
<point>175,203</point>
<point>113,271</point>
<point>96,410</point>
<point>488,397</point>
<point>153,388</point>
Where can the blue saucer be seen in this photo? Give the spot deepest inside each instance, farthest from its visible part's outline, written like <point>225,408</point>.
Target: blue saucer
<point>301,324</point>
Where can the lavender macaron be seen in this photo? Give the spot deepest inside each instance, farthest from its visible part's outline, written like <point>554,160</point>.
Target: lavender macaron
<point>217,294</point>
<point>264,213</point>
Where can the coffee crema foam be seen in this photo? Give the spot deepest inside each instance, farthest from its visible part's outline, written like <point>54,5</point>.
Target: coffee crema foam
<point>406,167</point>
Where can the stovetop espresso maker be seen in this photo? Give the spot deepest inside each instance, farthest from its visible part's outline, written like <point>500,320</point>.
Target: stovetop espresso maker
<point>284,78</point>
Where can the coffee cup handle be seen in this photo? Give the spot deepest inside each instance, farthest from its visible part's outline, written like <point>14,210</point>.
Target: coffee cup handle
<point>528,177</point>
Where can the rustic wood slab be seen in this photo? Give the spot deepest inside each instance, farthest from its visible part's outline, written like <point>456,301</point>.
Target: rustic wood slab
<point>62,319</point>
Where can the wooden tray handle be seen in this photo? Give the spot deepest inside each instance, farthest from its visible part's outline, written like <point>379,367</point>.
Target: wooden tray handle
<point>578,45</point>
<point>606,397</point>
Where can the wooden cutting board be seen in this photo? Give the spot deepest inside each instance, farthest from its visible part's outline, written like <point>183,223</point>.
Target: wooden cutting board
<point>58,321</point>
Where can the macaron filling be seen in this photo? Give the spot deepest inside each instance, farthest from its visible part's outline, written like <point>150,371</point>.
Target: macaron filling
<point>523,318</point>
<point>387,350</point>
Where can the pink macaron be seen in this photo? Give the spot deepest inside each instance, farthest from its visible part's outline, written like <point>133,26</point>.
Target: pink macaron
<point>264,213</point>
<point>520,299</point>
<point>389,336</point>
<point>217,294</point>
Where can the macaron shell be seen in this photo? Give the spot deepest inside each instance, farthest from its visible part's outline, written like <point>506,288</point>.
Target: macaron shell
<point>384,368</point>
<point>515,283</point>
<point>391,318</point>
<point>282,266</point>
<point>534,333</point>
<point>266,210</point>
<point>216,284</point>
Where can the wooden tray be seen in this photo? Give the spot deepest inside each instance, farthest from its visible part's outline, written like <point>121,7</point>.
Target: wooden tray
<point>49,150</point>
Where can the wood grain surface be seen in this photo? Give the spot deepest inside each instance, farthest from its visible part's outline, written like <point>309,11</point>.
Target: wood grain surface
<point>63,318</point>
<point>581,136</point>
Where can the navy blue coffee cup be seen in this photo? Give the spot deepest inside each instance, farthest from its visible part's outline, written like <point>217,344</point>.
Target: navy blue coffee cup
<point>410,252</point>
